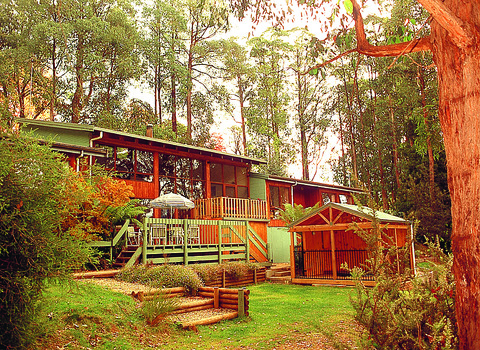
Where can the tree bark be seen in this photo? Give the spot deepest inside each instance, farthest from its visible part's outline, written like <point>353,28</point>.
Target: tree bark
<point>242,112</point>
<point>459,110</point>
<point>454,42</point>
<point>431,161</point>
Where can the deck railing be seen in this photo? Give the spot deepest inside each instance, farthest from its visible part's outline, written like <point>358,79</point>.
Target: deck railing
<point>226,207</point>
<point>318,264</point>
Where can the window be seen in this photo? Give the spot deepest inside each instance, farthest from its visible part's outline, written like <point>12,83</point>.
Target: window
<point>326,198</point>
<point>279,195</point>
<point>228,180</point>
<point>181,175</point>
<point>129,164</point>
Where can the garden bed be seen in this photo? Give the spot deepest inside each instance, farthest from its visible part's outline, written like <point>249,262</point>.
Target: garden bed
<point>210,306</point>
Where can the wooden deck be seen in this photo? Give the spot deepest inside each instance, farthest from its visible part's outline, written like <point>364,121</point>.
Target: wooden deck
<point>184,241</point>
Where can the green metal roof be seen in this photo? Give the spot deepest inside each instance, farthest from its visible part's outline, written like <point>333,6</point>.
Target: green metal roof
<point>363,212</point>
<point>93,129</point>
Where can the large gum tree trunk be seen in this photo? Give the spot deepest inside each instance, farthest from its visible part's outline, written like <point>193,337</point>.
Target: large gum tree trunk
<point>459,113</point>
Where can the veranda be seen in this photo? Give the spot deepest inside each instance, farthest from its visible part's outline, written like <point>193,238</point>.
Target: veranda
<point>185,241</point>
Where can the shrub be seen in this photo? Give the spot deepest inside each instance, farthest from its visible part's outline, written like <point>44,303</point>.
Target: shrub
<point>155,310</point>
<point>403,311</point>
<point>206,272</point>
<point>163,276</point>
<point>235,269</point>
<point>32,246</point>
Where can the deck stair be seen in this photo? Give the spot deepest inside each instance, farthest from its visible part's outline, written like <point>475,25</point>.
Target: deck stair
<point>279,273</point>
<point>124,256</point>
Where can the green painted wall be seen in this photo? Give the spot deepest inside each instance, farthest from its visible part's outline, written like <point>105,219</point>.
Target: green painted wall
<point>258,187</point>
<point>279,240</point>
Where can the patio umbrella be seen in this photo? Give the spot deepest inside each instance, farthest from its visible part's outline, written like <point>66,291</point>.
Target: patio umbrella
<point>171,201</point>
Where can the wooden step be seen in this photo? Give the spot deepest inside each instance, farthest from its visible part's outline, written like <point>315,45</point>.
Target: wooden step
<point>282,273</point>
<point>282,280</point>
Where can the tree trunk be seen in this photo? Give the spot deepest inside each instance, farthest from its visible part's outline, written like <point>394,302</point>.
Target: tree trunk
<point>54,86</point>
<point>174,104</point>
<point>189,90</point>
<point>78,95</point>
<point>459,111</point>
<point>431,162</point>
<point>242,113</point>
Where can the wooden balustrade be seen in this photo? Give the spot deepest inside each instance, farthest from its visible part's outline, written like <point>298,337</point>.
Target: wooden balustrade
<point>227,207</point>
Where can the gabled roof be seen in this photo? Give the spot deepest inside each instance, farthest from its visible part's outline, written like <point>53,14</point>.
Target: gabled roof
<point>93,131</point>
<point>362,212</point>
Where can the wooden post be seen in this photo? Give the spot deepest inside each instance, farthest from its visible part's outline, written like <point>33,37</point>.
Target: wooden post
<point>223,278</point>
<point>247,241</point>
<point>255,276</point>
<point>144,241</point>
<point>292,255</point>
<point>241,302</point>
<point>219,241</point>
<point>185,245</point>
<point>396,249</point>
<point>334,259</point>
<point>216,297</point>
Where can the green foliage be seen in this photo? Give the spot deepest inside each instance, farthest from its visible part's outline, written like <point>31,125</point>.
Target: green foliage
<point>163,276</point>
<point>131,210</point>
<point>206,272</point>
<point>191,277</point>
<point>294,212</point>
<point>32,248</point>
<point>403,311</point>
<point>154,310</point>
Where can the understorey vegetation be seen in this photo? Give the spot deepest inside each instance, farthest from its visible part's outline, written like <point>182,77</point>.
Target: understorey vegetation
<point>190,277</point>
<point>33,247</point>
<point>404,310</point>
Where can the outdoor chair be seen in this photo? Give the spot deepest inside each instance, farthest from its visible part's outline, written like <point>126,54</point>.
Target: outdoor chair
<point>132,236</point>
<point>193,235</point>
<point>158,234</point>
<point>176,233</point>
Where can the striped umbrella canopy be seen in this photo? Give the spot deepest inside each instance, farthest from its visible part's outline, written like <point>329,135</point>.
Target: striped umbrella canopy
<point>171,201</point>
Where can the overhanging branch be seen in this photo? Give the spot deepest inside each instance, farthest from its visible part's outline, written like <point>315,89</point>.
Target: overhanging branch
<point>457,29</point>
<point>365,48</point>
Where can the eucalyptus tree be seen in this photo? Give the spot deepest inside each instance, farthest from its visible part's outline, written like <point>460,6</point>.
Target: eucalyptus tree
<point>205,20</point>
<point>163,48</point>
<point>238,70</point>
<point>23,77</point>
<point>310,96</point>
<point>268,114</point>
<point>100,43</point>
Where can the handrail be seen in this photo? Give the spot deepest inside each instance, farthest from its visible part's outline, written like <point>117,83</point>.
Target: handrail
<point>120,233</point>
<point>228,207</point>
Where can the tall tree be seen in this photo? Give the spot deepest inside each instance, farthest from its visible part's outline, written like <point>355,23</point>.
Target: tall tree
<point>267,115</point>
<point>454,43</point>
<point>238,70</point>
<point>310,95</point>
<point>205,19</point>
<point>163,48</point>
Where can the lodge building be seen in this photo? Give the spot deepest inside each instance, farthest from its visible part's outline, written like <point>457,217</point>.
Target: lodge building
<point>236,209</point>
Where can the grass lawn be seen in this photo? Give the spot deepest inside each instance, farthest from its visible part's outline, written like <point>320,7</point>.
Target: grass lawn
<point>83,315</point>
